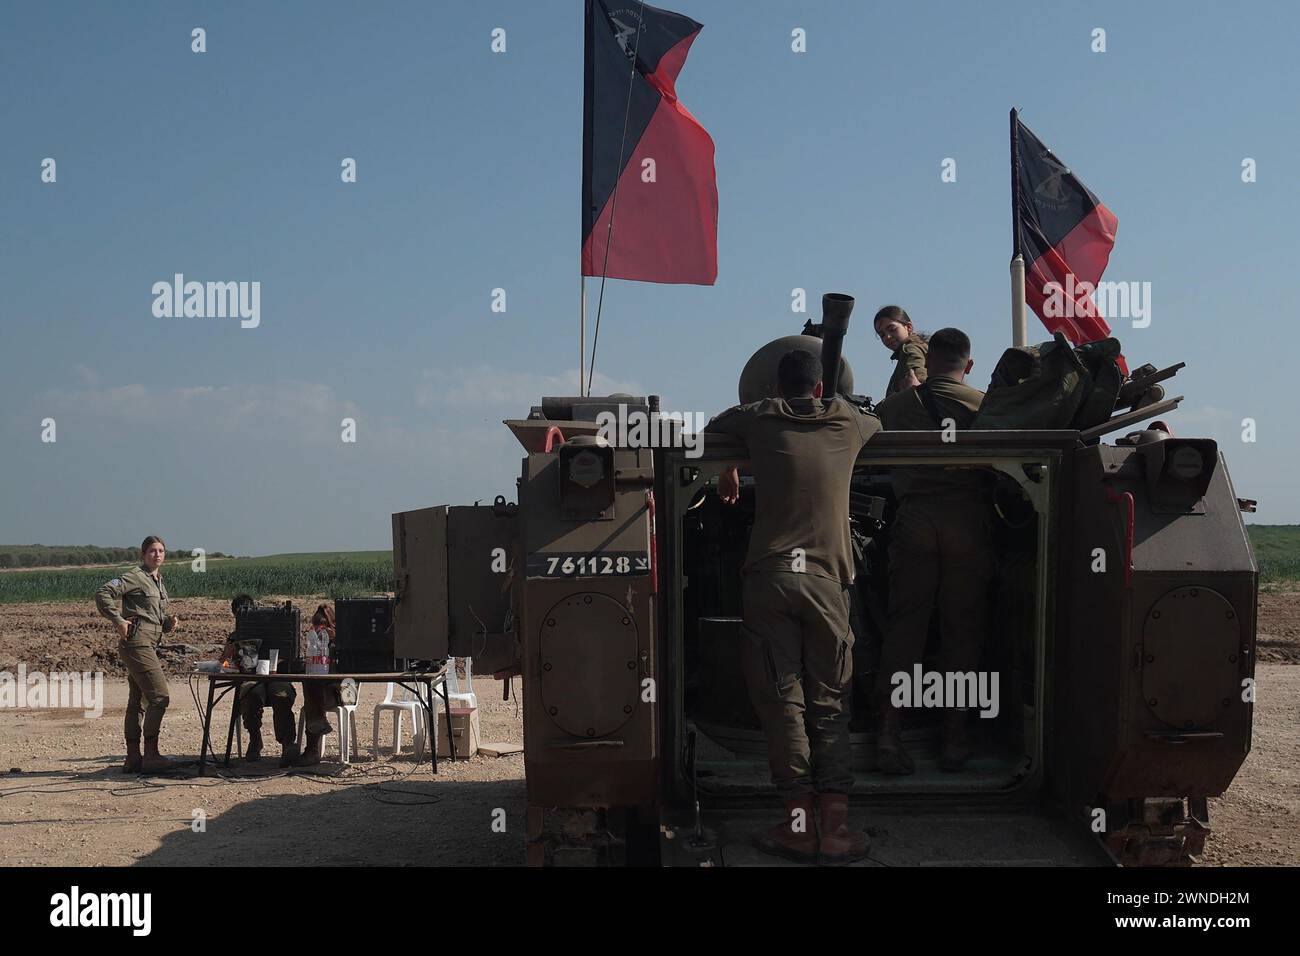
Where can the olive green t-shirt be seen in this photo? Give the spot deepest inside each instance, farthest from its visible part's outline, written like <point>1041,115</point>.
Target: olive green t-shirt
<point>801,454</point>
<point>142,597</point>
<point>906,412</point>
<point>910,357</point>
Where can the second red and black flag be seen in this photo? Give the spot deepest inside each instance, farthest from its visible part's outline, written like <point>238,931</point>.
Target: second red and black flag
<point>1065,234</point>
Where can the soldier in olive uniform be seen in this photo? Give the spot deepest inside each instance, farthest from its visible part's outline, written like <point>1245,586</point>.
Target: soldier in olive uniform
<point>894,328</point>
<point>940,552</point>
<point>141,623</point>
<point>254,698</point>
<point>797,650</point>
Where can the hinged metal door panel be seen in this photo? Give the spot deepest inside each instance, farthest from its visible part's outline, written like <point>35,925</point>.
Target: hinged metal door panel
<point>481,545</point>
<point>420,628</point>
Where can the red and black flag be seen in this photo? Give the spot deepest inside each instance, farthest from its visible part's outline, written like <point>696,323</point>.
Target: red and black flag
<point>1065,235</point>
<point>638,139</point>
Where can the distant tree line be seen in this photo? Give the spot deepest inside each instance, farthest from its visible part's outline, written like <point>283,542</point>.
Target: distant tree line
<point>43,555</point>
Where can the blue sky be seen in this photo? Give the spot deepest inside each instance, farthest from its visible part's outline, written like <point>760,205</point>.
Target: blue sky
<point>376,295</point>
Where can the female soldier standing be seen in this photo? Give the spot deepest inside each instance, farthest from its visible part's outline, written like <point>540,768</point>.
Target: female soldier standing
<point>894,327</point>
<point>141,623</point>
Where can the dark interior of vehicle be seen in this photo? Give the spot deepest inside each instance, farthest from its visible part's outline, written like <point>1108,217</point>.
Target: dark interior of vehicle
<point>729,755</point>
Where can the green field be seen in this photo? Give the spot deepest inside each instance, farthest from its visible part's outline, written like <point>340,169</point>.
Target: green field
<point>335,574</point>
<point>344,574</point>
<point>44,555</point>
<point>1277,551</point>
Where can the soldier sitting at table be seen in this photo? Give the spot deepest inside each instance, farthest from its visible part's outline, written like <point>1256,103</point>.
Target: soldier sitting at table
<point>319,697</point>
<point>255,697</point>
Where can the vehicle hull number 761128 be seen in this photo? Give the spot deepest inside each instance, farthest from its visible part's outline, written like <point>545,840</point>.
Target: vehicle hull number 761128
<point>578,564</point>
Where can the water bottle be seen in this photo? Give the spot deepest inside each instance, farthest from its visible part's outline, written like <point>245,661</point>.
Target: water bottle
<point>318,648</point>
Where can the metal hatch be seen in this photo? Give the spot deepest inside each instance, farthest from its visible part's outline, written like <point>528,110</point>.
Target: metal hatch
<point>482,542</point>
<point>453,566</point>
<point>420,624</point>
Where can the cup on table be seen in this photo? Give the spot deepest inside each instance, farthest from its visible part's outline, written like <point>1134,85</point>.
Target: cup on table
<point>263,666</point>
<point>275,660</point>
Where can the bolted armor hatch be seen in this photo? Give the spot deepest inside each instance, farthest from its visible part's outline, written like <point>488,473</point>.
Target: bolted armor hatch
<point>590,676</point>
<point>1191,644</point>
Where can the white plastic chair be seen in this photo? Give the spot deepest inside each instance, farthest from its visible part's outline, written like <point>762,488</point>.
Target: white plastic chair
<point>345,715</point>
<point>455,696</point>
<point>466,697</point>
<point>405,702</point>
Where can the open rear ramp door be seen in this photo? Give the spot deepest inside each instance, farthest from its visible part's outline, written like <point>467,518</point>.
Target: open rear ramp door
<point>900,836</point>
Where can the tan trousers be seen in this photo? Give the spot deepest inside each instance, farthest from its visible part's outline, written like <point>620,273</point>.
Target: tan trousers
<point>279,696</point>
<point>939,558</point>
<point>798,663</point>
<point>147,690</point>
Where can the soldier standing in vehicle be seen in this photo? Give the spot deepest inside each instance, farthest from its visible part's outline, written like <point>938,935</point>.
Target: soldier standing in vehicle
<point>940,552</point>
<point>797,651</point>
<point>141,622</point>
<point>894,329</point>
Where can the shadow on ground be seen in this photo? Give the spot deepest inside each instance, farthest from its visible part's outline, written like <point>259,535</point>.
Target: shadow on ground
<point>391,822</point>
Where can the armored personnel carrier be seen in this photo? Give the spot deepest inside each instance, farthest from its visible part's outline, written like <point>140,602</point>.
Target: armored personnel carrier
<point>1123,614</point>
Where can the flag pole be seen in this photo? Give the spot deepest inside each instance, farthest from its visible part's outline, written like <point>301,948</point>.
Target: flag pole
<point>1019,323</point>
<point>582,336</point>
<point>588,106</point>
<point>1019,319</point>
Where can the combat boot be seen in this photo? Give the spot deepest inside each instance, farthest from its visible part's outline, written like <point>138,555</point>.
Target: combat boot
<point>838,843</point>
<point>133,759</point>
<point>956,742</point>
<point>890,755</point>
<point>153,761</point>
<point>254,752</point>
<point>795,837</point>
<point>289,754</point>
<point>313,750</point>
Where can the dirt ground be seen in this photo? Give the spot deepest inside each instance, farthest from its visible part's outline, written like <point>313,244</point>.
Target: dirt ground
<point>1278,634</point>
<point>72,806</point>
<point>65,801</point>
